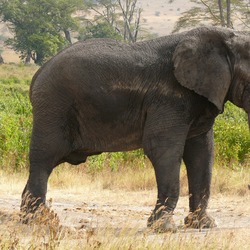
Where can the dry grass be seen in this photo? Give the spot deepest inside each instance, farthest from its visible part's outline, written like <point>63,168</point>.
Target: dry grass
<point>47,233</point>
<point>124,229</point>
<point>130,179</point>
<point>231,181</point>
<point>12,183</point>
<point>19,71</point>
<point>225,180</point>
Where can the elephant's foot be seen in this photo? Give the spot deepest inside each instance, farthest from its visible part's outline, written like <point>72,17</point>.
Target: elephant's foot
<point>34,210</point>
<point>30,202</point>
<point>42,216</point>
<point>29,207</point>
<point>199,221</point>
<point>162,222</point>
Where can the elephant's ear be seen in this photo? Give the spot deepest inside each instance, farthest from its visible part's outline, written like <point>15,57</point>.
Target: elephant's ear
<point>201,63</point>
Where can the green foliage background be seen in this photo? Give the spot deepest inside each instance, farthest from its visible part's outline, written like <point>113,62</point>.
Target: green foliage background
<point>15,122</point>
<point>232,137</point>
<point>39,27</point>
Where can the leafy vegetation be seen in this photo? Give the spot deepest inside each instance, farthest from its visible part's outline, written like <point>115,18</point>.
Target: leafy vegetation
<point>38,26</point>
<point>232,137</point>
<point>42,28</point>
<point>99,30</point>
<point>15,118</point>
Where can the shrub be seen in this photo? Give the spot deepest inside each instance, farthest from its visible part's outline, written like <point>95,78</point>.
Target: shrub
<point>232,138</point>
<point>15,123</point>
<point>14,140</point>
<point>116,160</point>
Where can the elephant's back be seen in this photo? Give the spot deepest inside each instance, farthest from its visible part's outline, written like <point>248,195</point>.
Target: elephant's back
<point>100,50</point>
<point>104,64</point>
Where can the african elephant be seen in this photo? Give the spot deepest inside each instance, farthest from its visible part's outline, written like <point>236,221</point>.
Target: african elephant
<point>161,95</point>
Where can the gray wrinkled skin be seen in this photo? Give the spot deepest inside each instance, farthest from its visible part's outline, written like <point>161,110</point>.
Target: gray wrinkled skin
<point>160,95</point>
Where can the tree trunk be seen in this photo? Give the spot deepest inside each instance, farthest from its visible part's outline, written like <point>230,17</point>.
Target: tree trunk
<point>67,36</point>
<point>1,59</point>
<point>38,58</point>
<point>222,19</point>
<point>229,25</point>
<point>128,14</point>
<point>137,24</point>
<point>27,59</point>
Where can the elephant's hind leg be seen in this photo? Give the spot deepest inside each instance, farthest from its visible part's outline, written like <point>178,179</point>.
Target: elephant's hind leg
<point>47,150</point>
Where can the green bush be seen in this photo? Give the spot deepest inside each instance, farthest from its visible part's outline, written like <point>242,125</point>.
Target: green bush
<point>116,160</point>
<point>15,123</point>
<point>14,140</point>
<point>232,137</point>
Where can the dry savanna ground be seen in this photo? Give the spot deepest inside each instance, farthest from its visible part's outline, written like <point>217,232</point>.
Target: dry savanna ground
<point>109,209</point>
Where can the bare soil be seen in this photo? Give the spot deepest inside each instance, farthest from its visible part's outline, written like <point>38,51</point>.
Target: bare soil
<point>118,209</point>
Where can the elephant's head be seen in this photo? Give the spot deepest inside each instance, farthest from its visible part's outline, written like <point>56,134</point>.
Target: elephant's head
<point>215,63</point>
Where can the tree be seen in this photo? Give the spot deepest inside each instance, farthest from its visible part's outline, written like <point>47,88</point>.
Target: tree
<point>99,30</point>
<point>130,13</point>
<point>119,18</point>
<point>225,13</point>
<point>40,27</point>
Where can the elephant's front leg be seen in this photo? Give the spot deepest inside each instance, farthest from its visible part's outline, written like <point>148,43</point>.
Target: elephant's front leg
<point>198,158</point>
<point>165,153</point>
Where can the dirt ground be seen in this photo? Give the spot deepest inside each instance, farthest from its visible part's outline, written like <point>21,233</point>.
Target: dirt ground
<point>119,209</point>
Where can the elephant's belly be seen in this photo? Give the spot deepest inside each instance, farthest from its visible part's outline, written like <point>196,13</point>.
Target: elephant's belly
<point>111,127</point>
<point>112,140</point>
<point>130,142</point>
